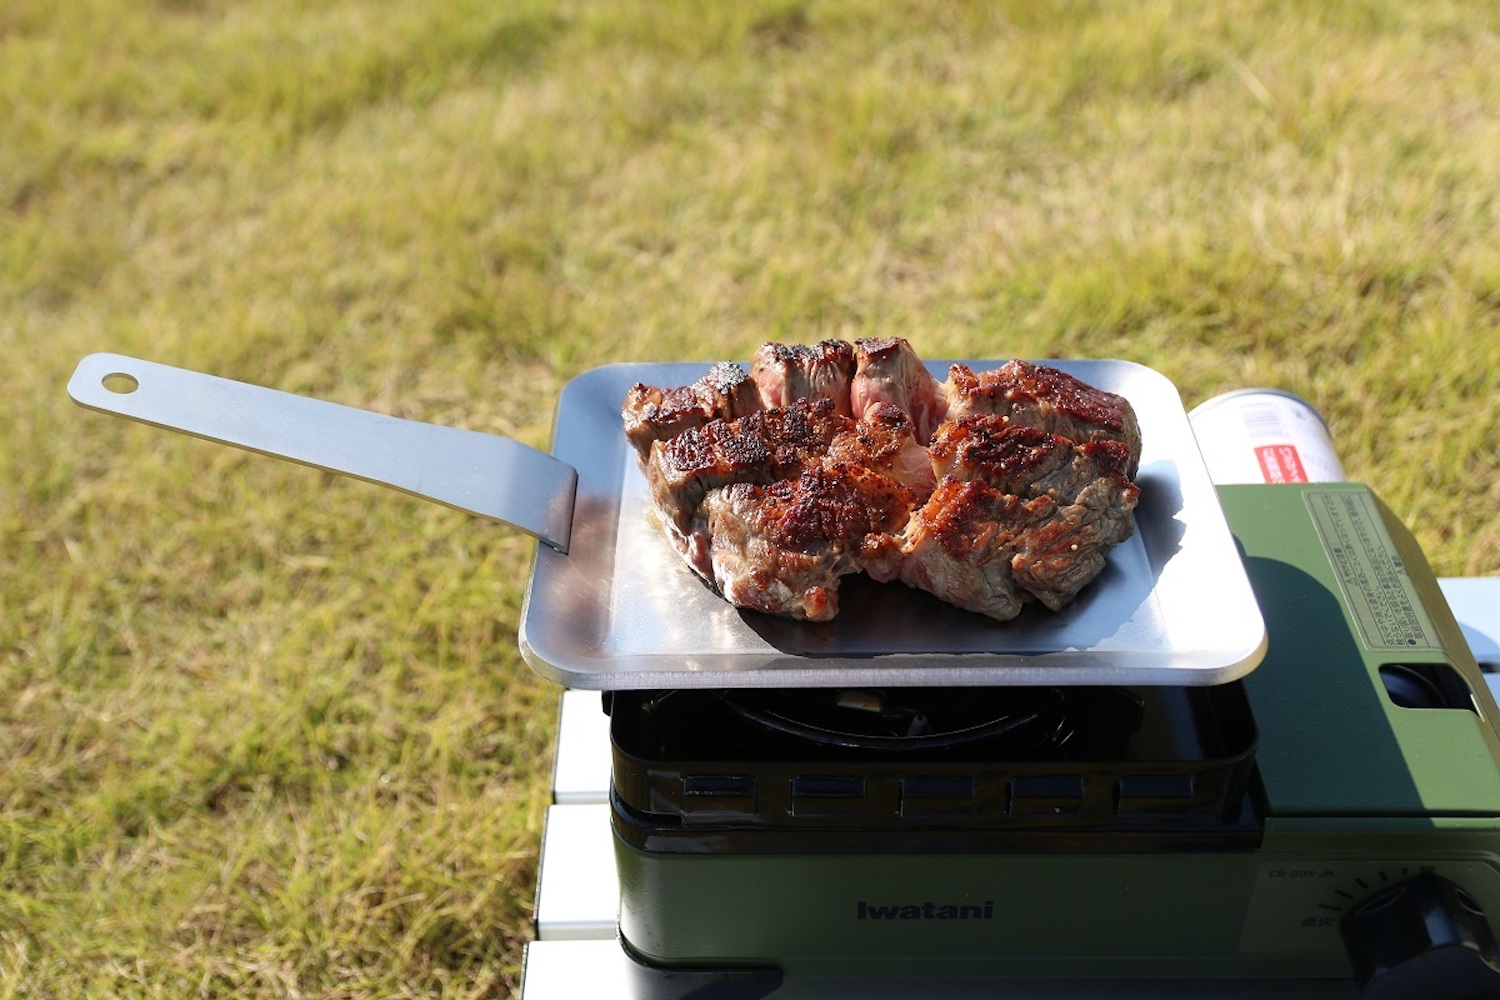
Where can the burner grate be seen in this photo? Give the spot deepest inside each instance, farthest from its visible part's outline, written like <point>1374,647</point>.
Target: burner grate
<point>906,719</point>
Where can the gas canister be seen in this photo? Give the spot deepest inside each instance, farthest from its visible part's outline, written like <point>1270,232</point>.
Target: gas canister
<point>1264,436</point>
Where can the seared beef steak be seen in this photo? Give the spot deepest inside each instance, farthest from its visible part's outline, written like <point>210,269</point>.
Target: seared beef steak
<point>961,546</point>
<point>1058,558</point>
<point>989,490</point>
<point>652,414</point>
<point>1023,460</point>
<point>763,447</point>
<point>784,373</point>
<point>885,441</point>
<point>889,371</point>
<point>1045,398</point>
<point>782,548</point>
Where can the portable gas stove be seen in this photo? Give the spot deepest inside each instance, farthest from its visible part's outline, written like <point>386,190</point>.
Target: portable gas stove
<point>1256,757</point>
<point>1333,818</point>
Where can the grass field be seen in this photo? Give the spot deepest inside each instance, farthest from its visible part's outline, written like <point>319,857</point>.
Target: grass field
<point>264,731</point>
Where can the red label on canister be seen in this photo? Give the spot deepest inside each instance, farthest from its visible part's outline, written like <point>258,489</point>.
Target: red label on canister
<point>1280,463</point>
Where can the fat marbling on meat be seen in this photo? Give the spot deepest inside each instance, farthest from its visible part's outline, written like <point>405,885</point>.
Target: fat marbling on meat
<point>990,490</point>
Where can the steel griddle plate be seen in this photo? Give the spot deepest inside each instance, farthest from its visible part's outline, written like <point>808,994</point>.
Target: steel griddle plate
<point>622,611</point>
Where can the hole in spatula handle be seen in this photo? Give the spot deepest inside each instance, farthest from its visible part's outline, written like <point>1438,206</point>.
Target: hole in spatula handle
<point>120,383</point>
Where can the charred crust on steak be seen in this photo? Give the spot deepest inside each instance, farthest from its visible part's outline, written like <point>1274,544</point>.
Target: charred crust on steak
<point>990,490</point>
<point>653,414</point>
<point>961,545</point>
<point>782,547</point>
<point>762,447</point>
<point>1048,399</point>
<point>1027,461</point>
<point>1010,457</point>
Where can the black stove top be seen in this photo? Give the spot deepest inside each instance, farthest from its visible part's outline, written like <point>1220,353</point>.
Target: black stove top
<point>779,769</point>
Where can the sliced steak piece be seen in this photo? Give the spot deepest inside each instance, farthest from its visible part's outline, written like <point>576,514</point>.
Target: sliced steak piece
<point>653,414</point>
<point>885,441</point>
<point>1048,399</point>
<point>1023,460</point>
<point>889,371</point>
<point>765,446</point>
<point>1058,557</point>
<point>783,373</point>
<point>782,547</point>
<point>960,546</point>
<point>989,551</point>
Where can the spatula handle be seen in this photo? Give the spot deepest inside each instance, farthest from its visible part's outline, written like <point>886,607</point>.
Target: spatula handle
<point>484,474</point>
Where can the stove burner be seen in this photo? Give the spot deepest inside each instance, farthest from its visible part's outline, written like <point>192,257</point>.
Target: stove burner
<point>934,723</point>
<point>942,768</point>
<point>900,719</point>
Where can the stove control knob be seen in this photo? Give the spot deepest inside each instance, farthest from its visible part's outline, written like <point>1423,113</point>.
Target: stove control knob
<point>1422,938</point>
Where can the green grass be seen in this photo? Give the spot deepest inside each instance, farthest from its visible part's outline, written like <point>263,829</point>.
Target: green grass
<point>266,732</point>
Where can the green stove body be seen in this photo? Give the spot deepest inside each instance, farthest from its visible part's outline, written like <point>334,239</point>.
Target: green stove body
<point>1335,814</point>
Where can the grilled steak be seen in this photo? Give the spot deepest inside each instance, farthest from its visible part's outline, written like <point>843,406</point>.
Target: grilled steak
<point>889,371</point>
<point>961,546</point>
<point>1045,398</point>
<point>990,490</point>
<point>653,414</point>
<point>885,441</point>
<point>782,548</point>
<point>785,373</point>
<point>1026,461</point>
<point>763,447</point>
<point>1059,557</point>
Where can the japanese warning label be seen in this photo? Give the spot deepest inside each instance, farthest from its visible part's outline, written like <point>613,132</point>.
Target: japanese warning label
<point>1377,589</point>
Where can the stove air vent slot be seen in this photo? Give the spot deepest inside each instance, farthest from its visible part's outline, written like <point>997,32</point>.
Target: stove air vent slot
<point>826,787</point>
<point>717,797</point>
<point>937,796</point>
<point>1047,795</point>
<point>828,795</point>
<point>718,785</point>
<point>1147,795</point>
<point>708,797</point>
